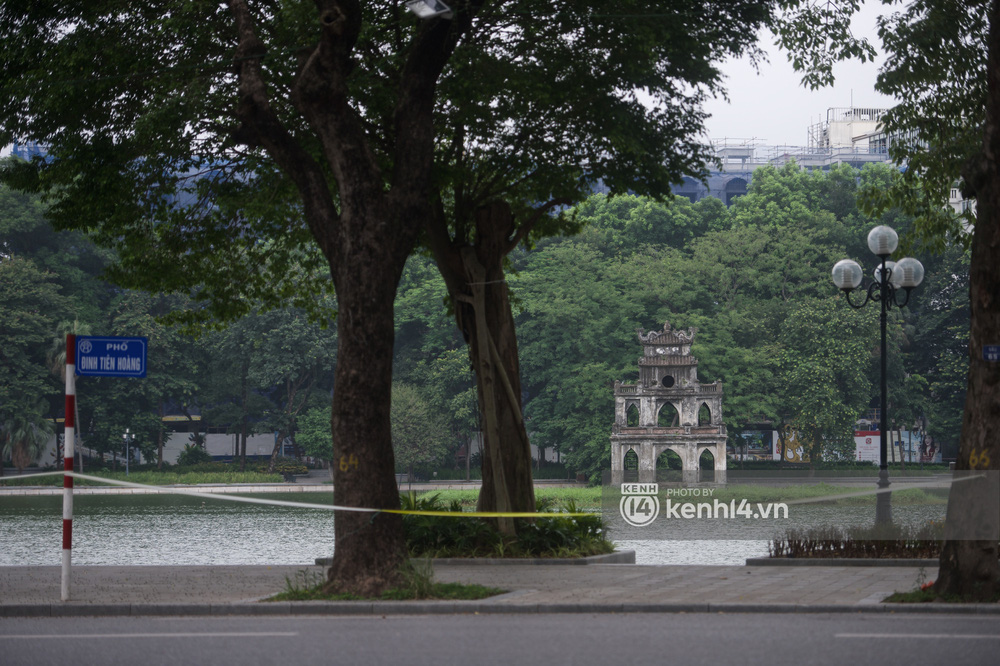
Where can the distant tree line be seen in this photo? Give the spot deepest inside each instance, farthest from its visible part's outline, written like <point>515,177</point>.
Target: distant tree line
<point>754,279</point>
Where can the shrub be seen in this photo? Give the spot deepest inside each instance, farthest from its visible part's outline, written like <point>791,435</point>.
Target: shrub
<point>193,455</point>
<point>446,536</point>
<point>281,466</point>
<point>894,541</point>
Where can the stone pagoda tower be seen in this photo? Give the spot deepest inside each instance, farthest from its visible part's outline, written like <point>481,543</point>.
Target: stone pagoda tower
<point>661,412</point>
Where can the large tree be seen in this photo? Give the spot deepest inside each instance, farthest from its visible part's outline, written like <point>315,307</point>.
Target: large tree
<point>826,349</point>
<point>165,118</point>
<point>943,65</point>
<point>30,305</point>
<point>233,94</point>
<point>419,434</point>
<point>569,94</point>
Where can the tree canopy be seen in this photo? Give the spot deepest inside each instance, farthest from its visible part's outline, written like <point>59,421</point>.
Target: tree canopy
<point>943,59</point>
<point>179,132</point>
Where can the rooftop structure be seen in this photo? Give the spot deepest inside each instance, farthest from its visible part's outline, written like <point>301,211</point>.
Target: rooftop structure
<point>847,136</point>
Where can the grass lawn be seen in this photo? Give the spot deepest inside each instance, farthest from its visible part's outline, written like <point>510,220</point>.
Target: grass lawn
<point>589,499</point>
<point>149,478</point>
<point>923,596</point>
<point>417,583</point>
<point>434,591</point>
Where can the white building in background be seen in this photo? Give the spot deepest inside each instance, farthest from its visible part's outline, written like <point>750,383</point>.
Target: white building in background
<point>847,135</point>
<point>847,128</point>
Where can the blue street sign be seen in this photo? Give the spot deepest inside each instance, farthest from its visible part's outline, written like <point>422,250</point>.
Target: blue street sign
<point>991,353</point>
<point>110,357</point>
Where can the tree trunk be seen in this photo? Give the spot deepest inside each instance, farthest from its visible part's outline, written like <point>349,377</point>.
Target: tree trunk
<point>468,459</point>
<point>366,230</point>
<point>243,447</point>
<point>244,390</point>
<point>369,548</point>
<point>969,567</point>
<point>159,440</point>
<point>475,278</point>
<point>902,451</point>
<point>279,441</point>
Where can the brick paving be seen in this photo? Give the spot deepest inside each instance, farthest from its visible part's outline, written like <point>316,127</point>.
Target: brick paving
<point>569,588</point>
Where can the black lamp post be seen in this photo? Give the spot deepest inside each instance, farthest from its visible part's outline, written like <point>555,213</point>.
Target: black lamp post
<point>890,279</point>
<point>128,454</point>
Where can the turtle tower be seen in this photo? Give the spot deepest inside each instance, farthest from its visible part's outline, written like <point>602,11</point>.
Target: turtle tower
<point>668,409</point>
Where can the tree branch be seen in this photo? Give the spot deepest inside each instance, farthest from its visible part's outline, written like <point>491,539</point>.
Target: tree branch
<point>524,229</point>
<point>260,126</point>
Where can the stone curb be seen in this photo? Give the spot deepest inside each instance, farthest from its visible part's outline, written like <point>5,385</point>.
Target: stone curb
<point>617,557</point>
<point>840,562</point>
<point>364,608</point>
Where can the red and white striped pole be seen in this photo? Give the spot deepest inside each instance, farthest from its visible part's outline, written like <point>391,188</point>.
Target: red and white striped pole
<point>68,455</point>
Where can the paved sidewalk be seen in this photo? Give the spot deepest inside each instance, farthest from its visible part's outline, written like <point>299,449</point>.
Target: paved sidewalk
<point>594,588</point>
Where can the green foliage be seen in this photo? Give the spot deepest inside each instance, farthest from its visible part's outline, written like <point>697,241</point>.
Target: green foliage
<point>223,469</point>
<point>419,435</point>
<point>582,534</point>
<point>587,498</point>
<point>314,436</point>
<point>824,344</point>
<point>193,455</point>
<point>816,35</point>
<point>761,333</point>
<point>182,477</point>
<point>30,306</point>
<point>438,536</point>
<point>204,473</point>
<point>575,328</point>
<point>266,370</point>
<point>435,536</point>
<point>23,434</point>
<point>291,358</point>
<point>940,347</point>
<point>140,111</point>
<point>937,70</point>
<point>283,466</point>
<point>625,223</point>
<point>69,258</point>
<point>756,284</point>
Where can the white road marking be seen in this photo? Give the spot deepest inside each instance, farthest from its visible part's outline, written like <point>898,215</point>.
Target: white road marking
<point>994,637</point>
<point>208,634</point>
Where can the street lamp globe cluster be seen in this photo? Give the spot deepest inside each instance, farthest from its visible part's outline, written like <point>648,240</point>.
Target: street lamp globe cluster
<point>892,284</point>
<point>903,274</point>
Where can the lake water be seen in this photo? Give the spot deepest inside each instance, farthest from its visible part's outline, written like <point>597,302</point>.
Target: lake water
<point>163,529</point>
<point>177,530</point>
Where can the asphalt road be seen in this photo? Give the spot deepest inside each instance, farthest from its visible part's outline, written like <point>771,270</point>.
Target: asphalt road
<point>700,638</point>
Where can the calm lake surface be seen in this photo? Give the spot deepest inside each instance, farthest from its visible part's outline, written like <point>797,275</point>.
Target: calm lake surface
<point>176,530</point>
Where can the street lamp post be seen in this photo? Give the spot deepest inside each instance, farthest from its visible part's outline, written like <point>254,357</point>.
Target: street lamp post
<point>891,278</point>
<point>128,440</point>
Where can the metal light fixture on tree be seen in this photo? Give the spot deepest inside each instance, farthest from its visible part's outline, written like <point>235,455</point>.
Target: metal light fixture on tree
<point>901,276</point>
<point>428,9</point>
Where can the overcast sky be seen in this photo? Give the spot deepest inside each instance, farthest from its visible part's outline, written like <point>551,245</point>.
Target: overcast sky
<point>773,108</point>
